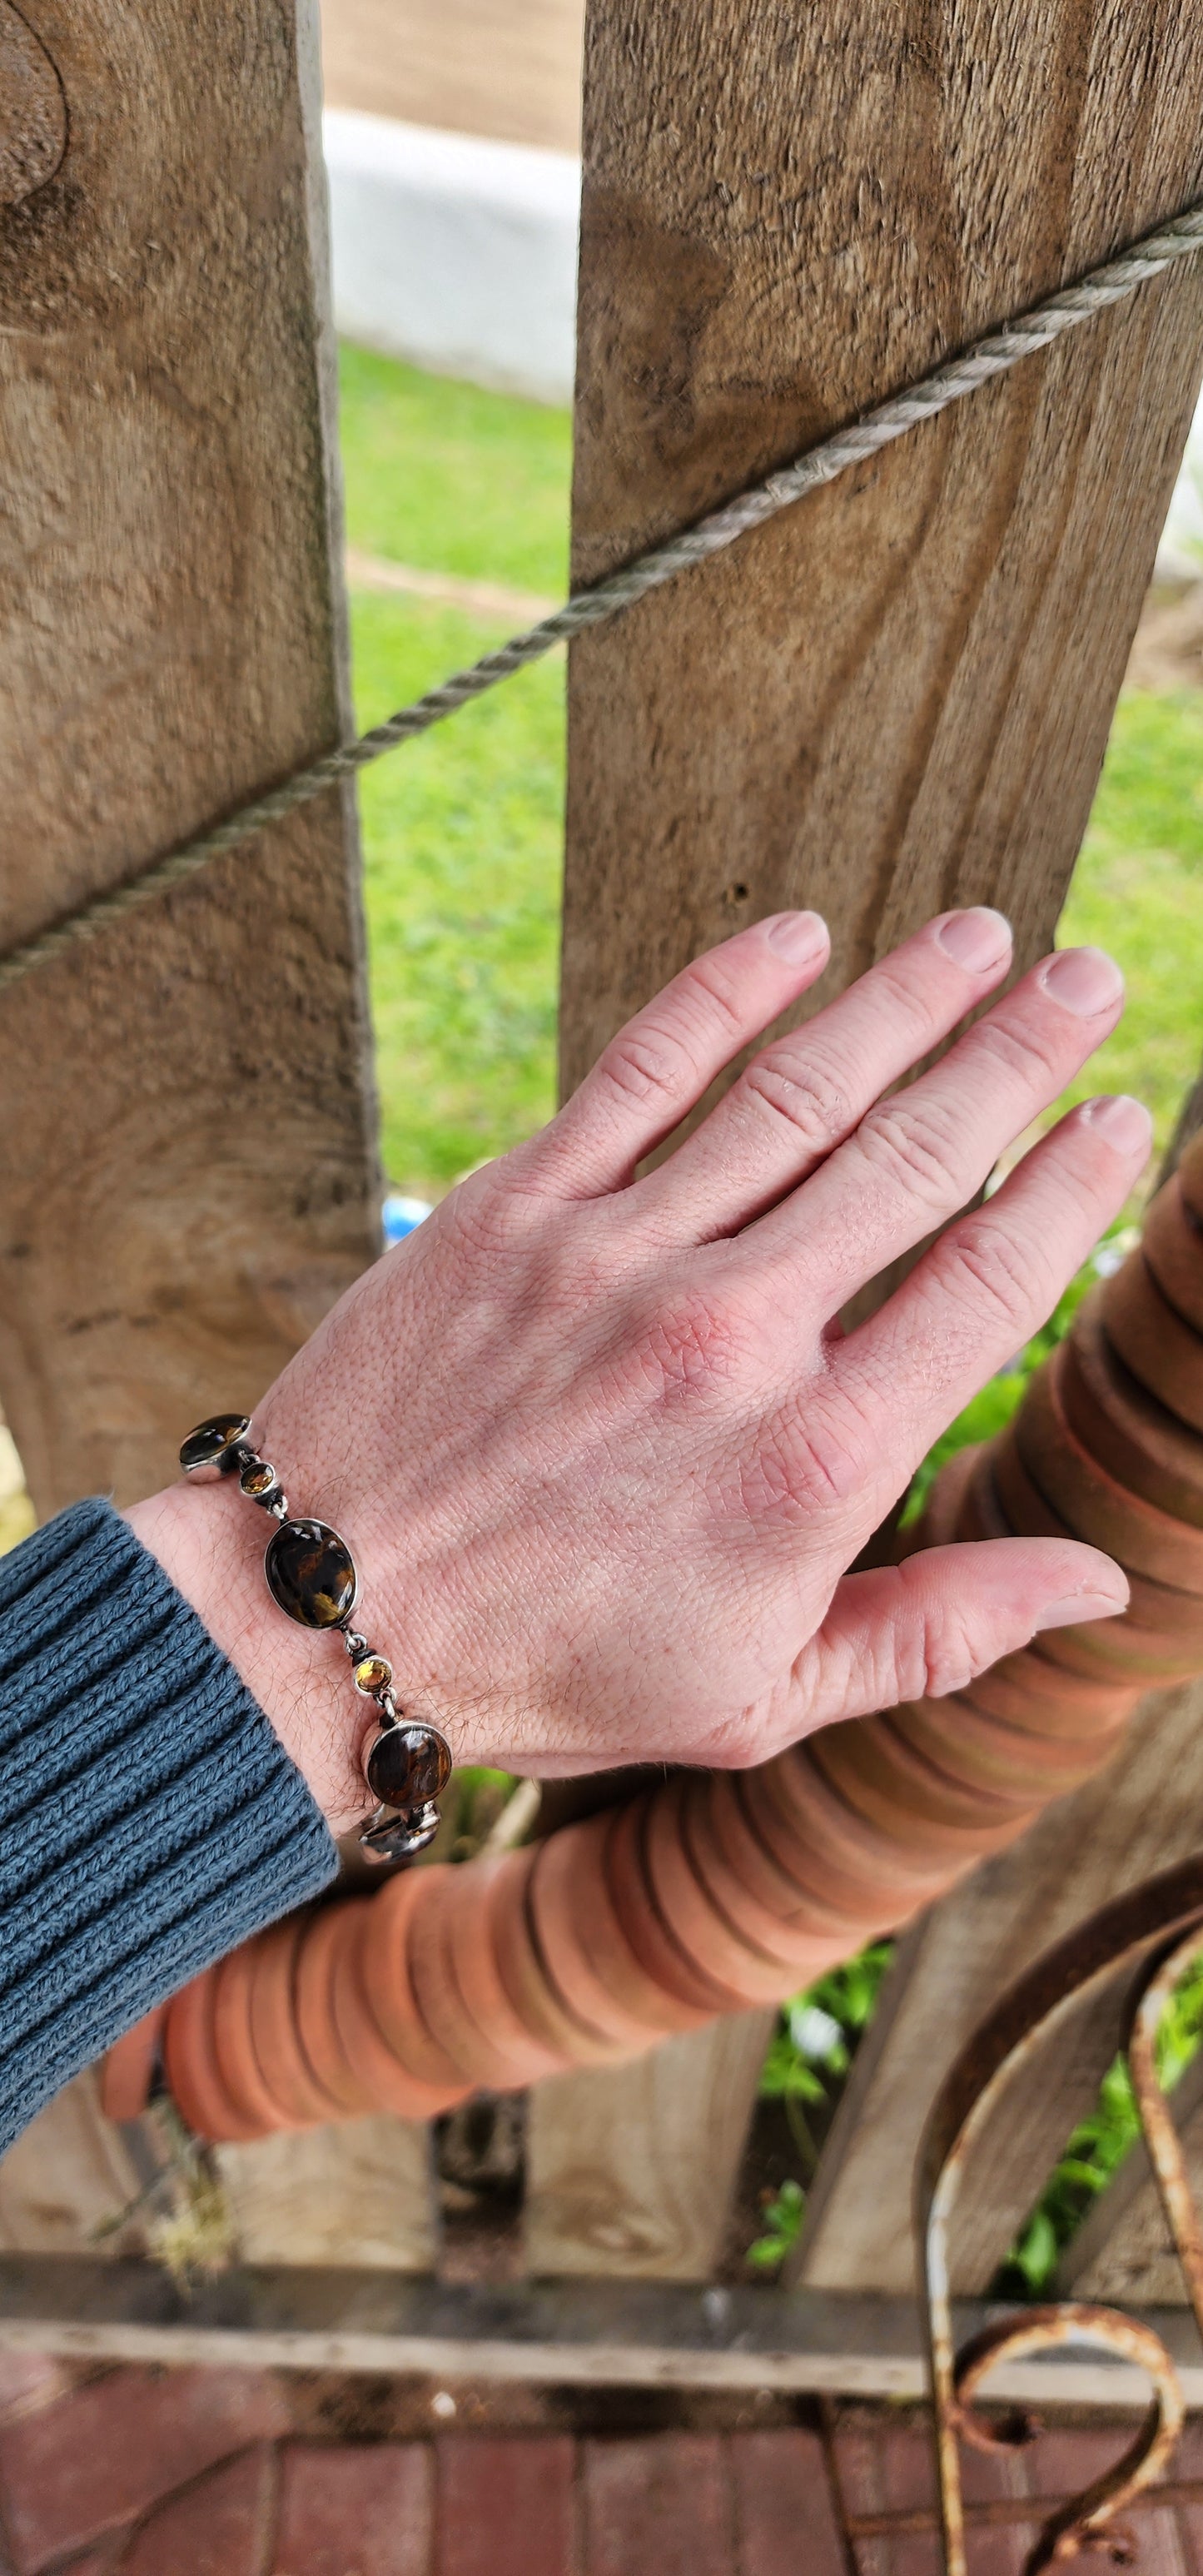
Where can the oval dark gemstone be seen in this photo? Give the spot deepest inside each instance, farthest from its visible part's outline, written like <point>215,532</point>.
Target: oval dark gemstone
<point>408,1765</point>
<point>212,1443</point>
<point>311,1573</point>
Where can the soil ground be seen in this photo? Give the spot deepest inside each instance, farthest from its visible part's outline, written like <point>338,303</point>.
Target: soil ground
<point>508,68</point>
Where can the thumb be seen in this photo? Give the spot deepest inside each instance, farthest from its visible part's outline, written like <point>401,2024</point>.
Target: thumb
<point>928,1626</point>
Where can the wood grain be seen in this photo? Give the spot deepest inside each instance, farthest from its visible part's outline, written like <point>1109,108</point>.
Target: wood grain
<point>896,697</point>
<point>558,2334</point>
<point>69,2175</point>
<point>630,2170</point>
<point>1122,2251</point>
<point>1119,1829</point>
<point>187,1177</point>
<point>359,2193</point>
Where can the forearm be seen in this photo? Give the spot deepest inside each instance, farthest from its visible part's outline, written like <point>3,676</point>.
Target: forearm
<point>150,1818</point>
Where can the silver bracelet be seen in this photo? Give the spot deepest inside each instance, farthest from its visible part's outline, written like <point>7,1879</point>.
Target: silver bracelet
<point>311,1574</point>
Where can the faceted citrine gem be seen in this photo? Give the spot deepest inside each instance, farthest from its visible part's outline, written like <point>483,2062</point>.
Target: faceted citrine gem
<point>258,1480</point>
<point>373,1673</point>
<point>311,1573</point>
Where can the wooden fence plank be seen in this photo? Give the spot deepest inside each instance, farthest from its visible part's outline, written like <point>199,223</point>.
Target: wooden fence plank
<point>560,2334</point>
<point>1108,1836</point>
<point>630,2170</point>
<point>68,2177</point>
<point>898,697</point>
<point>357,2193</point>
<point>1122,2251</point>
<point>191,1179</point>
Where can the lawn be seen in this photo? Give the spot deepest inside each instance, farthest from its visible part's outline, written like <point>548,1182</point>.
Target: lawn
<point>462,830</point>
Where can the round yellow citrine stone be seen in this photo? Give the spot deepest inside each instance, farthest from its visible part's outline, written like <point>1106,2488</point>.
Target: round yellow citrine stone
<point>373,1673</point>
<point>258,1480</point>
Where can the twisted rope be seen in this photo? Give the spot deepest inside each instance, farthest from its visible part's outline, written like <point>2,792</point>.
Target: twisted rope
<point>947,384</point>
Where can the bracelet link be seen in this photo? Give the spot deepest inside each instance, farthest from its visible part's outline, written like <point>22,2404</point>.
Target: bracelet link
<point>312,1577</point>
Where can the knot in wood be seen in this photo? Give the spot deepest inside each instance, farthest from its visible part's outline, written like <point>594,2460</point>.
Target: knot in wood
<point>33,110</point>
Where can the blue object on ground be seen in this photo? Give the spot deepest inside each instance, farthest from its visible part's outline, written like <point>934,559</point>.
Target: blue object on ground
<point>401,1215</point>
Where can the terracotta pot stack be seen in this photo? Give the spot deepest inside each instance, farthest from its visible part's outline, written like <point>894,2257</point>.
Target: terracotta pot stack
<point>716,1891</point>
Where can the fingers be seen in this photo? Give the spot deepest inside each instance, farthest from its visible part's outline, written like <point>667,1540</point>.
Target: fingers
<point>985,1287</point>
<point>918,1157</point>
<point>662,1062</point>
<point>928,1626</point>
<point>807,1091</point>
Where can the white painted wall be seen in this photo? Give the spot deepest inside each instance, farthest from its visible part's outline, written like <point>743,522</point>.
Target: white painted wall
<point>454,252</point>
<point>1184,526</point>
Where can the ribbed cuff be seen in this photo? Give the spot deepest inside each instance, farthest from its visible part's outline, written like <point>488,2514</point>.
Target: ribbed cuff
<point>150,1818</point>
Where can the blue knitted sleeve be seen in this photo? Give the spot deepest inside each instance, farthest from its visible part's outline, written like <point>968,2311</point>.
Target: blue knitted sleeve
<point>150,1818</point>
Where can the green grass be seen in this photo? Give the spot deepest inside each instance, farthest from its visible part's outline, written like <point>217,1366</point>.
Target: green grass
<point>454,480</point>
<point>462,861</point>
<point>462,832</point>
<point>1138,890</point>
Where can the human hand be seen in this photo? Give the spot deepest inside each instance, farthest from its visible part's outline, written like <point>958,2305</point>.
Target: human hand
<point>597,1443</point>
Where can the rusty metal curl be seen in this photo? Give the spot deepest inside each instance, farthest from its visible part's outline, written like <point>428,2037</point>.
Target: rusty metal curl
<point>1156,1932</point>
<point>1087,2521</point>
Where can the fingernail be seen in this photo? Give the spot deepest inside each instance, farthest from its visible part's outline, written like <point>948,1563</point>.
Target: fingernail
<point>1078,1607</point>
<point>1084,980</point>
<point>1124,1122</point>
<point>797,936</point>
<point>976,940</point>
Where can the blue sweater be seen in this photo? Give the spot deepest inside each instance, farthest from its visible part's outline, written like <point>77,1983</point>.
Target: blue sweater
<point>150,1818</point>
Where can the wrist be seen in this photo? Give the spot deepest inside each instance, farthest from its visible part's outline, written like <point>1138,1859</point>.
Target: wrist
<point>211,1546</point>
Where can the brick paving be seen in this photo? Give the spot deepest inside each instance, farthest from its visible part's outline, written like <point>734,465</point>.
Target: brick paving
<point>183,2472</point>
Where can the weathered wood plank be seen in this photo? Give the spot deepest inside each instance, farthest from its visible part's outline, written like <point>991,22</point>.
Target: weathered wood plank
<point>1122,2251</point>
<point>633,2334</point>
<point>68,2177</point>
<point>1117,1830</point>
<point>191,1180</point>
<point>360,2192</point>
<point>897,698</point>
<point>630,2170</point>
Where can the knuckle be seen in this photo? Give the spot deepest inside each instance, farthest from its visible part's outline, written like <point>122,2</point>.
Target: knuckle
<point>915,1144</point>
<point>923,1650</point>
<point>644,1065</point>
<point>830,1458</point>
<point>801,1092</point>
<point>1003,1276</point>
<point>1023,1046</point>
<point>942,1655</point>
<point>693,1343</point>
<point>485,1213</point>
<point>661,1055</point>
<point>712,982</point>
<point>895,991</point>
